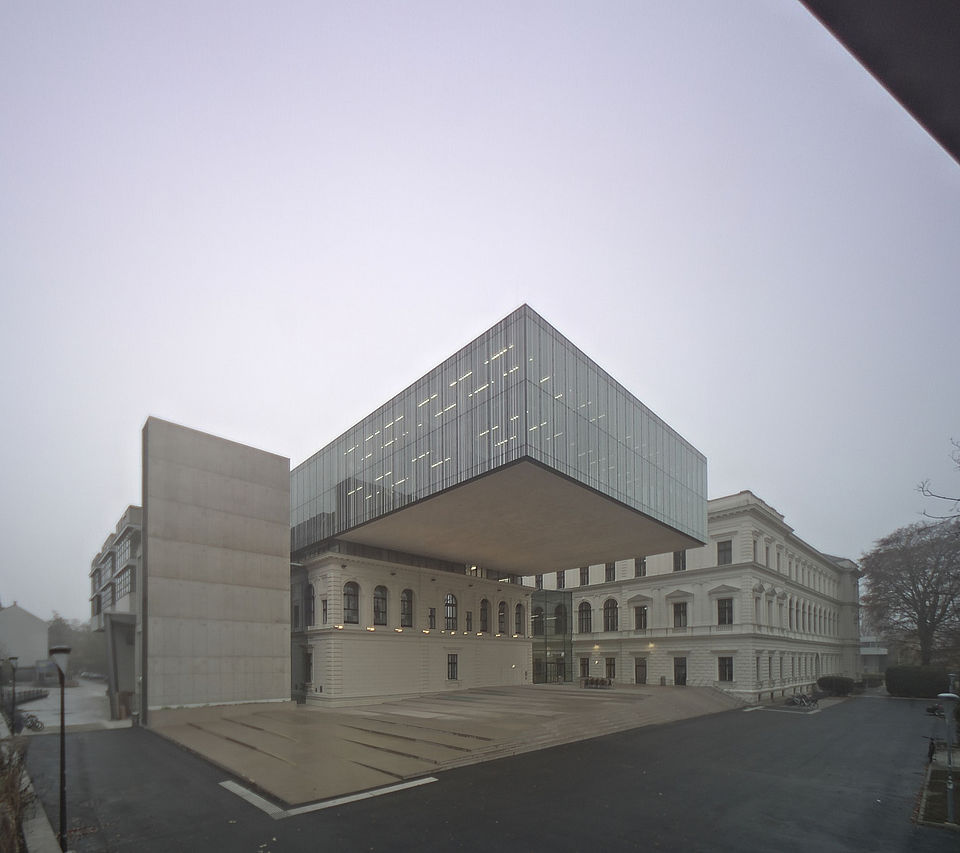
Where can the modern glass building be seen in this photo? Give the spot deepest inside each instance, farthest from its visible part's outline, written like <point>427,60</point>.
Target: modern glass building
<point>516,454</point>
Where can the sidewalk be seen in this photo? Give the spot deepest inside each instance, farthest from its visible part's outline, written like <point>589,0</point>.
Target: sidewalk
<point>297,753</point>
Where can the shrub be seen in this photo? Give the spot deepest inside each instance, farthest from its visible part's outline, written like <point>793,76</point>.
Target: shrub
<point>836,685</point>
<point>15,793</point>
<point>917,681</point>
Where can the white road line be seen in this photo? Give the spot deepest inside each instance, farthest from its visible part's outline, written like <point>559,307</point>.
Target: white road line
<point>253,799</point>
<point>279,814</point>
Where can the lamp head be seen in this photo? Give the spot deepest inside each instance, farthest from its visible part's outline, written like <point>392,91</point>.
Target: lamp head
<point>60,655</point>
<point>13,660</point>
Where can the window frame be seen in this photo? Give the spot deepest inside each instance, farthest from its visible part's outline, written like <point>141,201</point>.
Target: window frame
<point>584,618</point>
<point>380,605</point>
<point>611,615</point>
<point>351,603</point>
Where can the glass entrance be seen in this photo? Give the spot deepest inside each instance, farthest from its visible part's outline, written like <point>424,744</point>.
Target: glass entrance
<point>640,670</point>
<point>680,671</point>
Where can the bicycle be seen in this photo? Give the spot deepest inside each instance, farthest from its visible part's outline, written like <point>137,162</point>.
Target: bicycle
<point>32,722</point>
<point>803,700</point>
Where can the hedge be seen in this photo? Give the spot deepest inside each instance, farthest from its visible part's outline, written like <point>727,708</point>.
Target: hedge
<point>918,681</point>
<point>836,685</point>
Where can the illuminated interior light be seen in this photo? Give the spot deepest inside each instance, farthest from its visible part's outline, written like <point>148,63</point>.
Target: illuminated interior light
<point>558,396</point>
<point>392,440</point>
<point>545,378</point>
<point>514,417</point>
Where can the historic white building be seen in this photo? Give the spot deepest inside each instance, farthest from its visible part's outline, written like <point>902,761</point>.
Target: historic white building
<point>756,611</point>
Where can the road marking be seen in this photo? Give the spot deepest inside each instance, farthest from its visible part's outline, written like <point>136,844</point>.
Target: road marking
<point>253,799</point>
<point>754,708</point>
<point>279,814</point>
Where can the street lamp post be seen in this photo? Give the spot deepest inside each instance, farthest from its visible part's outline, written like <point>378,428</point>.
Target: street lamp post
<point>949,701</point>
<point>13,696</point>
<point>60,655</point>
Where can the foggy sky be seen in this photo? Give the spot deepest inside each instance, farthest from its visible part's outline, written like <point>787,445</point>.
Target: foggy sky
<point>262,221</point>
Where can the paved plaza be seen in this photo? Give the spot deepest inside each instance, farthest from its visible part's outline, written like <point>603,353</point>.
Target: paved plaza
<point>843,779</point>
<point>298,753</point>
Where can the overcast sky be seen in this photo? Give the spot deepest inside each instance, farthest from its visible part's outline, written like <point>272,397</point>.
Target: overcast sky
<point>263,220</point>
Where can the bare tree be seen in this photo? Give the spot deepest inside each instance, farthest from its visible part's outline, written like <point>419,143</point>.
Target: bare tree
<point>954,502</point>
<point>913,585</point>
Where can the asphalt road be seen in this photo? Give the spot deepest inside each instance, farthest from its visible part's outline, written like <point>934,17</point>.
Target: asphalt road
<point>844,779</point>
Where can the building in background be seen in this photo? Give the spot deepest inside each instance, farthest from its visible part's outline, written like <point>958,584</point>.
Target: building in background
<point>24,636</point>
<point>754,611</point>
<point>411,531</point>
<point>114,579</point>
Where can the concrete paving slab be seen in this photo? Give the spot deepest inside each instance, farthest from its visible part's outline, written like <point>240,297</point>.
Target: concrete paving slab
<point>301,754</point>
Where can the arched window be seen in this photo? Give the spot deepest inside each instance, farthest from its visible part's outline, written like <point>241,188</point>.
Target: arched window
<point>502,617</point>
<point>484,616</point>
<point>611,619</point>
<point>560,619</point>
<point>406,608</point>
<point>351,603</point>
<point>537,622</point>
<point>380,606</point>
<point>309,606</point>
<point>519,627</point>
<point>584,618</point>
<point>450,612</point>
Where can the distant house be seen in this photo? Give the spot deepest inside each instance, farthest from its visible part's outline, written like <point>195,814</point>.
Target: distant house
<point>25,636</point>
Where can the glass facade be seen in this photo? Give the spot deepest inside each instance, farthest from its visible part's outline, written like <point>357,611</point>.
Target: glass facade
<point>520,390</point>
<point>552,631</point>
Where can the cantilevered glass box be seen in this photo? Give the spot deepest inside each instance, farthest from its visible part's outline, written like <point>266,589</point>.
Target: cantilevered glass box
<point>517,454</point>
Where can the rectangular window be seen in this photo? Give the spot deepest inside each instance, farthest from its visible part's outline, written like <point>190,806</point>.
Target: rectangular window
<point>610,572</point>
<point>640,618</point>
<point>323,610</point>
<point>469,618</point>
<point>766,556</point>
<point>538,581</point>
<point>725,552</point>
<point>754,550</point>
<point>680,614</point>
<point>778,561</point>
<point>561,579</point>
<point>640,567</point>
<point>584,575</point>
<point>679,561</point>
<point>725,669</point>
<point>432,617</point>
<point>584,667</point>
<point>451,667</point>
<point>724,611</point>
<point>611,668</point>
